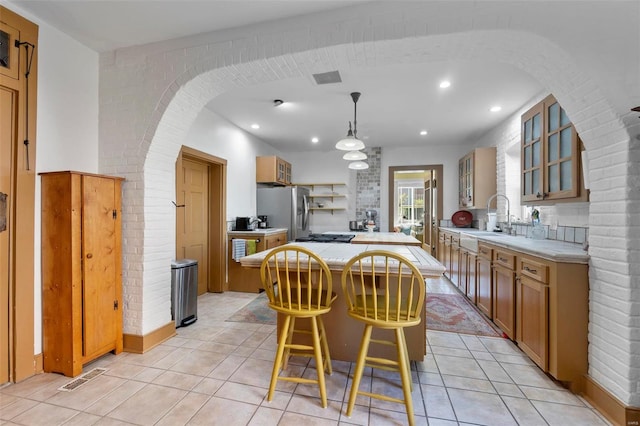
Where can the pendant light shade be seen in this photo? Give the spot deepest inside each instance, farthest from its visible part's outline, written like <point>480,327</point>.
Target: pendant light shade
<point>358,165</point>
<point>354,156</point>
<point>350,142</point>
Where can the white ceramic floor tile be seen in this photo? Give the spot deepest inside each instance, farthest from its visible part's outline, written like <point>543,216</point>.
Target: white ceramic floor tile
<point>480,408</point>
<point>214,369</point>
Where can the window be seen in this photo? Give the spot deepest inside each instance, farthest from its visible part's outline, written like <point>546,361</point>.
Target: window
<point>410,204</point>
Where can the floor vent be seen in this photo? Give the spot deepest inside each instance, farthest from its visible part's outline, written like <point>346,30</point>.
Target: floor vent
<point>327,77</point>
<point>76,383</point>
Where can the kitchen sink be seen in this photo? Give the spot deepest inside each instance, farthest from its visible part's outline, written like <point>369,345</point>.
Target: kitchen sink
<point>490,234</point>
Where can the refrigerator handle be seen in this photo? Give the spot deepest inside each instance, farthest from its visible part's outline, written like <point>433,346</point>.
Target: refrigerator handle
<point>305,212</point>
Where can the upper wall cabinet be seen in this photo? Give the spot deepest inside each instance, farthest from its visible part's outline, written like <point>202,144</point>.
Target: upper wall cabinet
<point>477,178</point>
<point>550,155</point>
<point>272,169</point>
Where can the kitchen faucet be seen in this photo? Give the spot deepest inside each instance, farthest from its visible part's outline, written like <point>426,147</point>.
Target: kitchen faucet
<point>508,209</point>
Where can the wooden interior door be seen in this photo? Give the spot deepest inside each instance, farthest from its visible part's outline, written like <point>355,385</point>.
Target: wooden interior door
<point>430,221</point>
<point>99,257</point>
<point>7,136</point>
<point>192,217</point>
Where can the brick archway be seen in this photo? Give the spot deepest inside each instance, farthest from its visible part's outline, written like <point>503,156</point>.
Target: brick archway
<point>216,68</point>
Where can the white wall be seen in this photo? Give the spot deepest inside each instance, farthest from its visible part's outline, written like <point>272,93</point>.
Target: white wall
<point>216,136</point>
<point>326,167</point>
<point>67,122</point>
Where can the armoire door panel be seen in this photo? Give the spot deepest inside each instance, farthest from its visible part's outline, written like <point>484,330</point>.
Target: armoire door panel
<point>99,282</point>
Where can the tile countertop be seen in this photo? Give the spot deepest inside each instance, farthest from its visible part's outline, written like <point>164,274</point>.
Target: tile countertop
<point>556,251</point>
<point>338,254</point>
<point>259,231</point>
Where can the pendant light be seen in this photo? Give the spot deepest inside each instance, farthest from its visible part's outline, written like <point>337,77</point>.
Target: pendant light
<point>354,156</point>
<point>358,165</point>
<point>351,141</point>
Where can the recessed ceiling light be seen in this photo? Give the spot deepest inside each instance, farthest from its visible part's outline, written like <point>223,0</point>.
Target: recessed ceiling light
<point>423,133</point>
<point>495,108</point>
<point>255,126</point>
<point>314,140</point>
<point>444,84</point>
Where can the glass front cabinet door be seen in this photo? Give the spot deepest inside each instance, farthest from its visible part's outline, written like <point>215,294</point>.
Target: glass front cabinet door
<point>550,155</point>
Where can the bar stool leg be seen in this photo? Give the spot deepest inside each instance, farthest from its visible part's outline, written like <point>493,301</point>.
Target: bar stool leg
<point>325,347</point>
<point>405,374</point>
<point>357,375</point>
<point>317,351</point>
<point>282,340</point>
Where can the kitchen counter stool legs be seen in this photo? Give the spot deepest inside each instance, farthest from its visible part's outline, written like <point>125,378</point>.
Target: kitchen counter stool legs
<point>386,291</point>
<point>301,291</point>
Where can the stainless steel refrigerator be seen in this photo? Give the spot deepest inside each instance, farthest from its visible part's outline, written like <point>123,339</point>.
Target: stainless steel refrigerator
<point>286,207</point>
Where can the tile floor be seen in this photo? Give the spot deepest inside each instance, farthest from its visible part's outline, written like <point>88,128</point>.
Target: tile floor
<point>217,373</point>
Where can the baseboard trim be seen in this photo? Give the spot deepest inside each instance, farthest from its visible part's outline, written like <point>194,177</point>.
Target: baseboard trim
<point>609,406</point>
<point>141,344</point>
<point>38,363</point>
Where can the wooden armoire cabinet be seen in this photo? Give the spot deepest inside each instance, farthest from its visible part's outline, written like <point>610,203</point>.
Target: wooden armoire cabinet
<point>81,269</point>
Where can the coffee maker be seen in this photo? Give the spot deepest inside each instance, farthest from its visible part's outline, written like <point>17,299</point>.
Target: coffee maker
<point>264,223</point>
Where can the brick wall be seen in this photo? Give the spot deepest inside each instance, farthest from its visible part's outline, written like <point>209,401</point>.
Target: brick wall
<point>368,185</point>
<point>150,95</point>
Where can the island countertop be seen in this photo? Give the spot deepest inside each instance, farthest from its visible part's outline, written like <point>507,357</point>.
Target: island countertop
<point>337,255</point>
<point>387,238</point>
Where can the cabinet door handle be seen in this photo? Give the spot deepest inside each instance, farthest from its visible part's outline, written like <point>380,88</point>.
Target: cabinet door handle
<point>502,259</point>
<point>533,271</point>
<point>89,255</point>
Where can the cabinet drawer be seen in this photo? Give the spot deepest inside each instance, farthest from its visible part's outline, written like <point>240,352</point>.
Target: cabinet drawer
<point>275,240</point>
<point>455,240</point>
<point>533,269</point>
<point>484,251</point>
<point>504,258</point>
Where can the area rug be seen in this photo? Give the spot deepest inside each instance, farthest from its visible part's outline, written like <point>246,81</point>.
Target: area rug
<point>453,313</point>
<point>256,311</point>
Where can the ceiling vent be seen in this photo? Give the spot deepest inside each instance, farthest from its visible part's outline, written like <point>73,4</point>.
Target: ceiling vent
<point>327,77</point>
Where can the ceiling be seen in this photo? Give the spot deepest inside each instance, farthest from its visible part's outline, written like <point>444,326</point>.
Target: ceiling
<point>397,102</point>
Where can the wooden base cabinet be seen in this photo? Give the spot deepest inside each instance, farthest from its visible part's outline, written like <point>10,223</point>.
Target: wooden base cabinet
<point>248,279</point>
<point>533,319</point>
<point>484,298</point>
<point>454,270</point>
<point>81,269</point>
<point>504,291</point>
<point>469,261</point>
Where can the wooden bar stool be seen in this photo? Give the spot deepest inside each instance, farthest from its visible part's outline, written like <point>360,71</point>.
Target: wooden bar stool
<point>383,290</point>
<point>298,284</point>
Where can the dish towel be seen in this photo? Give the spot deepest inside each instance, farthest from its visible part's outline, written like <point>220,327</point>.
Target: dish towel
<point>251,247</point>
<point>238,249</point>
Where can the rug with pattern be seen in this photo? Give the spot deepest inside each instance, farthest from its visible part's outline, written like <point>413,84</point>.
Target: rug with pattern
<point>454,313</point>
<point>256,311</point>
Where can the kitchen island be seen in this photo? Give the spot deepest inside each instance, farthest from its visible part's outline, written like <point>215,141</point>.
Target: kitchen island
<point>242,279</point>
<point>344,333</point>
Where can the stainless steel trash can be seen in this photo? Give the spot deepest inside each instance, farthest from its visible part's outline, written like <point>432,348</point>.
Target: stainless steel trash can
<point>184,291</point>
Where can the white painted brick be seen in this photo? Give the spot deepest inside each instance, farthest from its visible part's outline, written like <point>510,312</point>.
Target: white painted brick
<point>149,97</point>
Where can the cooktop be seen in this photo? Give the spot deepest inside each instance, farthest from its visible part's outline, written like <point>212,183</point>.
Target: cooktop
<point>326,238</point>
